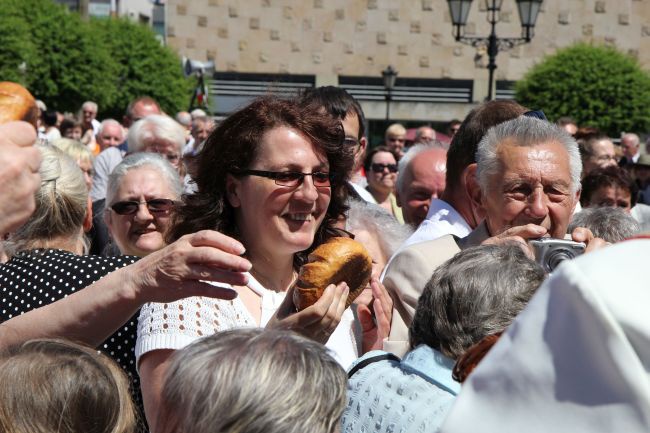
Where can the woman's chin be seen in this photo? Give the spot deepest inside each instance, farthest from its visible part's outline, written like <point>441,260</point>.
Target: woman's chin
<point>144,245</point>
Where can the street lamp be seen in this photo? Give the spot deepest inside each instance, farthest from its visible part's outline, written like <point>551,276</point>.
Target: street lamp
<point>389,75</point>
<point>528,10</point>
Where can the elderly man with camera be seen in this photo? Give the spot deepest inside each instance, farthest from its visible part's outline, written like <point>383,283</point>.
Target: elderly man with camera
<point>526,185</point>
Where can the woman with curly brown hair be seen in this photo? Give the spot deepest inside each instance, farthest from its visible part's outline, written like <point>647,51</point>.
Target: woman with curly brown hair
<point>272,176</point>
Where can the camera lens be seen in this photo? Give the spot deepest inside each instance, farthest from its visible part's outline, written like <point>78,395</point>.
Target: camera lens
<point>557,256</point>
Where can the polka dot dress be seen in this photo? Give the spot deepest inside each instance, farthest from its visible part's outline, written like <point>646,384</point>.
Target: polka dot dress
<point>35,278</point>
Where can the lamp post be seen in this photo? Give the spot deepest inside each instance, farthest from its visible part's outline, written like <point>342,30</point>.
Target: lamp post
<point>389,75</point>
<point>528,10</point>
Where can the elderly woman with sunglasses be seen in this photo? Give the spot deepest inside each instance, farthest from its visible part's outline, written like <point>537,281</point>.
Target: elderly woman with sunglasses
<point>381,173</point>
<point>142,191</point>
<point>272,176</point>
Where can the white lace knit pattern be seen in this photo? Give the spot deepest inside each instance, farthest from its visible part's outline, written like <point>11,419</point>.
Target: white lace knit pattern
<point>174,325</point>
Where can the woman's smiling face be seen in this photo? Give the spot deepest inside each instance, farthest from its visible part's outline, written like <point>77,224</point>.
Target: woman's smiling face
<point>142,232</point>
<point>273,218</point>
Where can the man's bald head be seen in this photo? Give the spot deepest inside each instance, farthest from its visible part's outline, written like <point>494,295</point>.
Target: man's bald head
<point>421,177</point>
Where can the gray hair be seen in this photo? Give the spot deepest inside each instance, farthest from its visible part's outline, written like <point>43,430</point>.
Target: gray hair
<point>110,122</point>
<point>90,104</point>
<point>142,159</point>
<point>155,127</point>
<point>253,381</point>
<point>525,132</point>
<point>61,204</point>
<point>184,118</point>
<point>609,223</point>
<point>197,112</point>
<point>476,293</point>
<point>636,141</point>
<point>408,156</point>
<point>377,221</point>
<point>74,149</point>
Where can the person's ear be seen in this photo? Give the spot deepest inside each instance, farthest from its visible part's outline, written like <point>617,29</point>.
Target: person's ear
<point>577,200</point>
<point>363,144</point>
<point>472,187</point>
<point>88,219</point>
<point>232,190</point>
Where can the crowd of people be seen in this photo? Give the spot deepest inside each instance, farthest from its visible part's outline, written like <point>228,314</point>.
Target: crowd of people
<point>150,263</point>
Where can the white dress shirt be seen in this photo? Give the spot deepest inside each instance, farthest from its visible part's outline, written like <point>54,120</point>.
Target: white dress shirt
<point>442,219</point>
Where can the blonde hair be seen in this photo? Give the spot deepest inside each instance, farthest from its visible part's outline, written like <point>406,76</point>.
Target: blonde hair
<point>395,129</point>
<point>61,204</point>
<point>253,381</point>
<point>74,149</point>
<point>58,386</point>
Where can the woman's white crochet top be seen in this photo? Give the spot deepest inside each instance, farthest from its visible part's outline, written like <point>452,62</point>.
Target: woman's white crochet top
<point>174,325</point>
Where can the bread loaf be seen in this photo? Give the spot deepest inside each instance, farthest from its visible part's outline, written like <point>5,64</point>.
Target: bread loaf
<point>16,103</point>
<point>338,260</point>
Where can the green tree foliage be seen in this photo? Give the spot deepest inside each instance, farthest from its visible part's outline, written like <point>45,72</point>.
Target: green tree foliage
<point>69,61</point>
<point>144,67</point>
<point>597,86</point>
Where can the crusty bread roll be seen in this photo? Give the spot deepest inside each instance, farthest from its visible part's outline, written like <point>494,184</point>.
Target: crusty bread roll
<point>16,103</point>
<point>340,259</point>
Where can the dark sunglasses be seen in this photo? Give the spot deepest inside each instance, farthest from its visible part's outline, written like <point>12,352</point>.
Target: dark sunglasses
<point>156,205</point>
<point>291,179</point>
<point>379,168</point>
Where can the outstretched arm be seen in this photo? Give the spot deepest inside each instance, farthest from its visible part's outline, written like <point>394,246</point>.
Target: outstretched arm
<point>177,271</point>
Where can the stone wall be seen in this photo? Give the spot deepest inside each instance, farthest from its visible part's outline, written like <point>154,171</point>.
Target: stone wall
<point>328,38</point>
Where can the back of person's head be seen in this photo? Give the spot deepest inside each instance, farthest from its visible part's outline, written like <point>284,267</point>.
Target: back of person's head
<point>253,381</point>
<point>57,386</point>
<point>155,127</point>
<point>476,293</point>
<point>462,150</point>
<point>612,176</point>
<point>142,100</point>
<point>49,118</point>
<point>609,223</point>
<point>61,203</point>
<point>74,149</point>
<point>337,102</point>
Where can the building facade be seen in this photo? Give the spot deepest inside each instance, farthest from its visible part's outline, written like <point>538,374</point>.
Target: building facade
<point>292,44</point>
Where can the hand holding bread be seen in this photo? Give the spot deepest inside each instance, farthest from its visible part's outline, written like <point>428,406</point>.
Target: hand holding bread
<point>339,260</point>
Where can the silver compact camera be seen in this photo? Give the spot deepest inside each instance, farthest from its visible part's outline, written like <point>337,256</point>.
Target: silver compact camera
<point>550,252</point>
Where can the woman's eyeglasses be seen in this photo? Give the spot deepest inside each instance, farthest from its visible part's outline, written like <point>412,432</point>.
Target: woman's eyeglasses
<point>290,178</point>
<point>156,205</point>
<point>379,168</point>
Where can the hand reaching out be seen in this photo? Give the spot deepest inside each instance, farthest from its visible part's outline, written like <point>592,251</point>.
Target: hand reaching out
<point>375,317</point>
<point>318,321</point>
